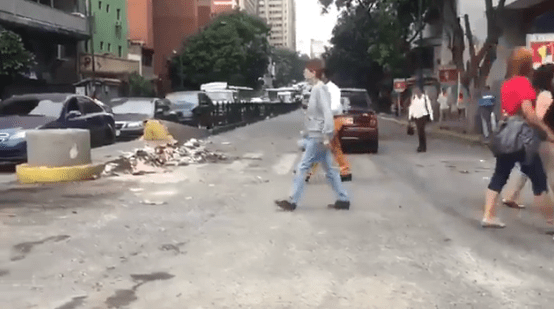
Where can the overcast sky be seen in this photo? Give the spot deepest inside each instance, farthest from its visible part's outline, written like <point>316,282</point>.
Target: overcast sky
<point>310,24</point>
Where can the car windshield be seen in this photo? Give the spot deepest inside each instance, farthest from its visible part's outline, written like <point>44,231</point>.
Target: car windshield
<point>34,107</point>
<point>357,100</point>
<point>220,95</point>
<point>143,107</point>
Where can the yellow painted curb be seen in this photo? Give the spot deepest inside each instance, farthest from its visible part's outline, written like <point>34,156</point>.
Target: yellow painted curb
<point>31,174</point>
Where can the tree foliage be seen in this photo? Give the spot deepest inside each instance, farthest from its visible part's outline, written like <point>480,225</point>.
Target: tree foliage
<point>140,87</point>
<point>388,26</point>
<point>289,66</point>
<point>233,48</point>
<point>14,58</point>
<point>480,62</point>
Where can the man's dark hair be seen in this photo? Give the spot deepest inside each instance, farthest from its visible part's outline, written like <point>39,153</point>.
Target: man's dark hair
<point>328,73</point>
<point>542,79</point>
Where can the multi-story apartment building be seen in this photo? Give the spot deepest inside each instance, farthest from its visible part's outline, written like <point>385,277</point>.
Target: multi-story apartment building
<point>281,17</point>
<point>51,30</point>
<point>104,61</point>
<point>174,20</point>
<point>140,20</point>
<point>249,6</point>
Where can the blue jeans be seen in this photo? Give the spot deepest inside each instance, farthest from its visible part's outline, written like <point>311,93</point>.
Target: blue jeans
<point>317,152</point>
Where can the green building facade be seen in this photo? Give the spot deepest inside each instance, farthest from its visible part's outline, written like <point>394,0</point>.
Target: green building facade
<point>109,21</point>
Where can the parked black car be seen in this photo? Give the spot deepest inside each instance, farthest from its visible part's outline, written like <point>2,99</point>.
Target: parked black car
<point>130,114</point>
<point>50,111</point>
<point>192,108</point>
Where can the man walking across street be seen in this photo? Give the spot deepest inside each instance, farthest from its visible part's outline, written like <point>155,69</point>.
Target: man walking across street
<point>486,110</point>
<point>336,147</point>
<point>319,128</point>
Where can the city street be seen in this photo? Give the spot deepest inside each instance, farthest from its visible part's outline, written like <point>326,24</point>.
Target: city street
<point>209,236</point>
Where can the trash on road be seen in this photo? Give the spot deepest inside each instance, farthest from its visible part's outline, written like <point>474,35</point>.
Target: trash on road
<point>155,159</point>
<point>147,202</point>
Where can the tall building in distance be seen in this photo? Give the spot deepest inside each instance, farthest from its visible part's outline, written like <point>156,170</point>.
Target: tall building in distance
<point>317,48</point>
<point>280,15</point>
<point>249,6</point>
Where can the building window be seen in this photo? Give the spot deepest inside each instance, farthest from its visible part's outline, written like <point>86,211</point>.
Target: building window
<point>99,5</point>
<point>120,51</point>
<point>107,8</point>
<point>109,47</point>
<point>118,14</point>
<point>101,45</point>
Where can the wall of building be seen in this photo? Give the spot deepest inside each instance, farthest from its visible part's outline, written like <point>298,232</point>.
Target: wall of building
<point>280,16</point>
<point>140,20</point>
<point>110,27</point>
<point>173,21</point>
<point>204,12</point>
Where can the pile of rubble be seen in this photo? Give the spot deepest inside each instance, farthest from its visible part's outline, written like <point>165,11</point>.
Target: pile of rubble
<point>154,159</point>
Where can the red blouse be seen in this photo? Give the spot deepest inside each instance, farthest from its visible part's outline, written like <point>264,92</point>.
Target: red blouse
<point>514,92</point>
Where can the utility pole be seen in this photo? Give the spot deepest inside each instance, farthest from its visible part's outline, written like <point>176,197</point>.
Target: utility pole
<point>420,75</point>
<point>90,18</point>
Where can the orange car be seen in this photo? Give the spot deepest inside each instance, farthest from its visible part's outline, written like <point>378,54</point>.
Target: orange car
<point>360,126</point>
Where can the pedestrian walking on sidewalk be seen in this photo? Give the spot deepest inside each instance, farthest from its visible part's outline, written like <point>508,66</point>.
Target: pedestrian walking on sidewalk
<point>443,105</point>
<point>542,82</point>
<point>421,112</point>
<point>461,106</point>
<point>336,147</point>
<point>517,144</point>
<point>319,128</point>
<point>486,111</point>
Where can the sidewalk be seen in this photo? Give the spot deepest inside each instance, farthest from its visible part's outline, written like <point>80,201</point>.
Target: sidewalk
<point>451,128</point>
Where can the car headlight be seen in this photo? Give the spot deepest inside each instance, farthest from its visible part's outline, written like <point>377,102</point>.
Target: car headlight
<point>134,125</point>
<point>18,135</point>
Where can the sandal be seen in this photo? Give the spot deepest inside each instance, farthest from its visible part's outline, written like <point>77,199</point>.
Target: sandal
<point>494,223</point>
<point>512,204</point>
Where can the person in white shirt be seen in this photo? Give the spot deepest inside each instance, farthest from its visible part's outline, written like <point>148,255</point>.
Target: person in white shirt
<point>443,105</point>
<point>336,147</point>
<point>421,112</point>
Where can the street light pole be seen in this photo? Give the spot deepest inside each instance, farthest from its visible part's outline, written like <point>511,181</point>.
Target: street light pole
<point>420,75</point>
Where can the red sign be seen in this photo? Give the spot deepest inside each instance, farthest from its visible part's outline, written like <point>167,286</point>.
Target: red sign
<point>399,85</point>
<point>448,76</point>
<point>542,46</point>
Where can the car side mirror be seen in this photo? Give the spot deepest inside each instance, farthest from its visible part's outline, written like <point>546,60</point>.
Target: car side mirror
<point>74,114</point>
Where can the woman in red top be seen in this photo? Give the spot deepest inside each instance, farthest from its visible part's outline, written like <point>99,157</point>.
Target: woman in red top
<point>518,97</point>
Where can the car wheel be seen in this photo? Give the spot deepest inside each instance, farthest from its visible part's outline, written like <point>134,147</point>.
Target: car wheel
<point>109,137</point>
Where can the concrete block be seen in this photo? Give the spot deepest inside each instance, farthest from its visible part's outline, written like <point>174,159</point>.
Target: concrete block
<point>58,147</point>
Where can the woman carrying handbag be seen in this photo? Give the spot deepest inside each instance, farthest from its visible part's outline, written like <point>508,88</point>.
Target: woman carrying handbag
<point>515,140</point>
<point>421,112</point>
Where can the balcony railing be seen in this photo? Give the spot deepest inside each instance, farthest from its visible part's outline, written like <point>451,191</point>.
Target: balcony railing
<point>33,14</point>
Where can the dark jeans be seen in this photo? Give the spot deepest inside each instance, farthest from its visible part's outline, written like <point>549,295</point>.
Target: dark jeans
<point>420,125</point>
<point>486,120</point>
<point>505,164</point>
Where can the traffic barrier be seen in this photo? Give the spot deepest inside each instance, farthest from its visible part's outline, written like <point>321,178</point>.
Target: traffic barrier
<point>58,155</point>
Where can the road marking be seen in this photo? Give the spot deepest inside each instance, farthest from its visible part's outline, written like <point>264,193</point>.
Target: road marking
<point>285,164</point>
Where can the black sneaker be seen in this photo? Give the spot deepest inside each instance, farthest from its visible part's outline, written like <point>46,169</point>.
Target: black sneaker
<point>286,205</point>
<point>344,178</point>
<point>343,205</point>
<point>307,178</point>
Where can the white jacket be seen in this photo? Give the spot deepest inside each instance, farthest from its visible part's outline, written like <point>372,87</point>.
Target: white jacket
<point>420,107</point>
<point>336,106</point>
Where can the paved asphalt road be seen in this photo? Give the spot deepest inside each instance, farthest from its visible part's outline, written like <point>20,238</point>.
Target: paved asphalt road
<point>411,239</point>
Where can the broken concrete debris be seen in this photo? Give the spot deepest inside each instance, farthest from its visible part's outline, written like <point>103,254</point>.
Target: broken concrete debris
<point>154,159</point>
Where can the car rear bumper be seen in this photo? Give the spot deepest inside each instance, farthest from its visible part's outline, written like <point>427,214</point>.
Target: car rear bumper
<point>355,134</point>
